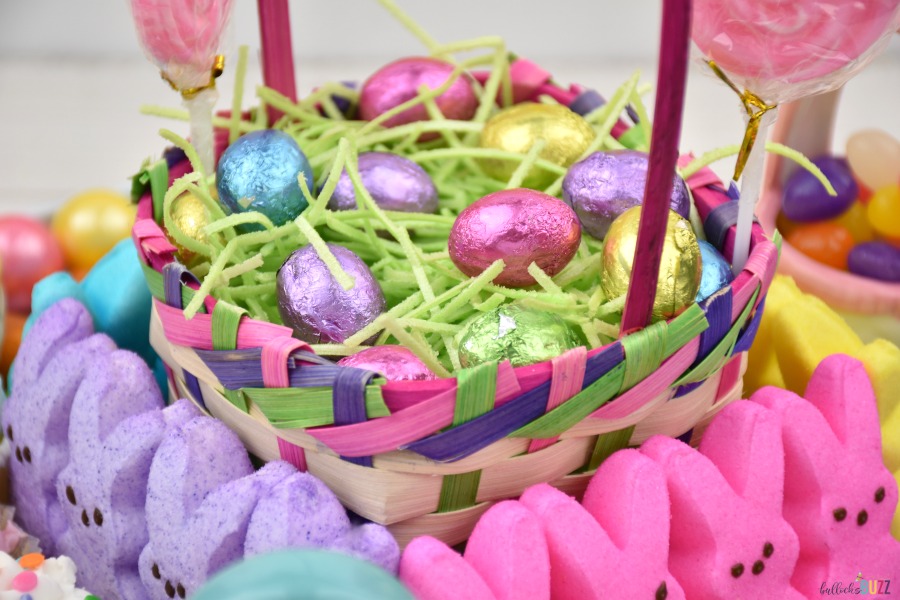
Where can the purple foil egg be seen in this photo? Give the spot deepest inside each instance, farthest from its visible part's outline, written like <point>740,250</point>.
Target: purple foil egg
<point>399,82</point>
<point>806,199</point>
<point>314,304</point>
<point>878,260</point>
<point>395,183</point>
<point>520,226</point>
<point>395,363</point>
<point>605,184</point>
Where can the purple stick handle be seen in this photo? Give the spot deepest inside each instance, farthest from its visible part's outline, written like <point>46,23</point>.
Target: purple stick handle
<point>671,81</point>
<point>277,52</point>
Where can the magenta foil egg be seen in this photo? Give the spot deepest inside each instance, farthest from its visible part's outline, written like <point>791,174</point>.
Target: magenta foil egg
<point>313,303</point>
<point>395,363</point>
<point>394,182</point>
<point>520,226</point>
<point>400,80</point>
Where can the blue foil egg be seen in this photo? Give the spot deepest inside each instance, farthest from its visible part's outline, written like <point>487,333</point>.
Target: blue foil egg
<point>259,172</point>
<point>716,271</point>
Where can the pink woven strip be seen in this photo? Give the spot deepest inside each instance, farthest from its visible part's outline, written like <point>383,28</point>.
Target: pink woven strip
<point>197,333</point>
<point>145,207</point>
<point>275,356</point>
<point>152,244</point>
<point>406,426</point>
<point>731,373</point>
<point>292,453</point>
<point>742,289</point>
<point>650,387</point>
<point>568,378</point>
<point>762,262</point>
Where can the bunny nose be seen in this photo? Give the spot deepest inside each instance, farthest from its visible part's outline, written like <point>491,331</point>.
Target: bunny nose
<point>862,517</point>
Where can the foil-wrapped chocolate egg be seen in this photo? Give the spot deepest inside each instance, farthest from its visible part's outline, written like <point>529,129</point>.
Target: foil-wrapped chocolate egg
<point>520,226</point>
<point>395,363</point>
<point>566,136</point>
<point>399,81</point>
<point>521,335</point>
<point>190,216</point>
<point>394,182</point>
<point>679,269</point>
<point>716,271</point>
<point>313,303</point>
<point>605,184</point>
<point>259,172</point>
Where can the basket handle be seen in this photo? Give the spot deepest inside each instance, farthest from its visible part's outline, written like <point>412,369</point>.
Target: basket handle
<point>277,51</point>
<point>674,51</point>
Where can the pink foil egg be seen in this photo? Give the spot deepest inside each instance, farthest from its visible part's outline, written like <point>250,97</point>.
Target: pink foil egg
<point>395,363</point>
<point>520,226</point>
<point>400,81</point>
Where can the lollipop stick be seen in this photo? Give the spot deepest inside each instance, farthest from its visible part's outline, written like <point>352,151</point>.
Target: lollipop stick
<point>751,184</point>
<point>277,52</point>
<point>670,85</point>
<point>200,109</point>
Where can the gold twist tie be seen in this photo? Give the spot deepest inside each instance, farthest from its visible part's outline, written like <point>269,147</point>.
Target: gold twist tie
<point>218,67</point>
<point>755,107</point>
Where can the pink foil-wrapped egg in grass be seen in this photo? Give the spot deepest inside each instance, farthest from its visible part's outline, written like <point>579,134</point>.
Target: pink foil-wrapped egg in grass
<point>395,363</point>
<point>520,227</point>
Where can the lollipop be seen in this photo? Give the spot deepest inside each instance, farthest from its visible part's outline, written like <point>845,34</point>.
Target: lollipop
<point>181,37</point>
<point>781,51</point>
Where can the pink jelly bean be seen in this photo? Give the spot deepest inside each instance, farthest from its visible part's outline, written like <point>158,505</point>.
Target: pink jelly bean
<point>25,581</point>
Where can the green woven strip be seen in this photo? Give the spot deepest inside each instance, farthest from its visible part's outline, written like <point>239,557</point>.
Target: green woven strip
<point>684,328</point>
<point>302,407</point>
<point>579,406</point>
<point>157,287</point>
<point>776,239</point>
<point>643,352</point>
<point>236,398</point>
<point>609,443</point>
<point>225,320</point>
<point>475,392</point>
<point>718,355</point>
<point>156,177</point>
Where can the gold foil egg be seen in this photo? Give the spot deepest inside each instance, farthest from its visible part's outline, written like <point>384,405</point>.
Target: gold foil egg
<point>516,129</point>
<point>188,215</point>
<point>679,271</point>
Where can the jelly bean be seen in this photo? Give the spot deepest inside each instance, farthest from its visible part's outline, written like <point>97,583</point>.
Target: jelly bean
<point>805,198</point>
<point>31,561</point>
<point>25,581</point>
<point>883,211</point>
<point>784,225</point>
<point>875,157</point>
<point>826,242</point>
<point>877,260</point>
<point>865,192</point>
<point>857,223</point>
<point>90,224</point>
<point>29,253</point>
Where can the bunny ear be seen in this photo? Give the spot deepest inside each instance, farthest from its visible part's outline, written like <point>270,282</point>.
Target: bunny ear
<point>127,456</point>
<point>373,543</point>
<point>744,442</point>
<point>180,412</point>
<point>509,551</point>
<point>629,498</point>
<point>432,571</point>
<point>841,390</point>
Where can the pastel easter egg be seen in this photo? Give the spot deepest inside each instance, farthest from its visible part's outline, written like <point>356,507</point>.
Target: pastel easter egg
<point>90,224</point>
<point>884,211</point>
<point>189,216</point>
<point>519,226</point>
<point>523,336</point>
<point>29,253</point>
<point>878,260</point>
<point>394,363</point>
<point>856,220</point>
<point>874,156</point>
<point>399,82</point>
<point>605,184</point>
<point>394,182</point>
<point>826,242</point>
<point>806,199</point>
<point>716,272</point>
<point>565,134</point>
<point>259,172</point>
<point>315,305</point>
<point>680,264</point>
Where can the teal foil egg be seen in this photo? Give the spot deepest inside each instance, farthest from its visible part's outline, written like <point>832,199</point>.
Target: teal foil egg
<point>716,272</point>
<point>259,172</point>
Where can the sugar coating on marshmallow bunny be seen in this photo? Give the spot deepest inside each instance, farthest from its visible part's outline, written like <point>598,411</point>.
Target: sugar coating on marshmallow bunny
<point>838,496</point>
<point>49,368</point>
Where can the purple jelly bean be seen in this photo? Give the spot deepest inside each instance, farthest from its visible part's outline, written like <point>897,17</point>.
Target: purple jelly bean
<point>877,260</point>
<point>806,199</point>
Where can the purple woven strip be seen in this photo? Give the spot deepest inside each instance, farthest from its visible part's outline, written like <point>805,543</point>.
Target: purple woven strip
<point>174,274</point>
<point>718,313</point>
<point>587,102</point>
<point>174,155</point>
<point>349,402</point>
<point>237,369</point>
<point>745,339</point>
<point>719,221</point>
<point>687,388</point>
<point>193,386</point>
<point>686,436</point>
<point>599,364</point>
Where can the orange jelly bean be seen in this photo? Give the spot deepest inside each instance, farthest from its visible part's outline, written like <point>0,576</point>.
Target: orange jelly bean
<point>826,242</point>
<point>31,561</point>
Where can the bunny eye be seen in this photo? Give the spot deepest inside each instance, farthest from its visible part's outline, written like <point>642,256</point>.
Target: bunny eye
<point>98,517</point>
<point>862,517</point>
<point>840,514</point>
<point>180,590</point>
<point>84,518</point>
<point>70,495</point>
<point>27,454</point>
<point>758,567</point>
<point>155,571</point>
<point>9,433</point>
<point>879,494</point>
<point>170,591</point>
<point>18,454</point>
<point>662,592</point>
<point>737,570</point>
<point>768,549</point>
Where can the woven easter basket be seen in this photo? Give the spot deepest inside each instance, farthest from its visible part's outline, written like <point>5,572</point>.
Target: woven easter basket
<point>429,457</point>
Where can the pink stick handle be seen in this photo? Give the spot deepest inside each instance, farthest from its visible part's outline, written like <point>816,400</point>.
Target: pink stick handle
<point>277,52</point>
<point>671,82</point>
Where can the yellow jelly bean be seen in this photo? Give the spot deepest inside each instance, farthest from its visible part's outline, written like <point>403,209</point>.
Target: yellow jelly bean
<point>857,223</point>
<point>884,210</point>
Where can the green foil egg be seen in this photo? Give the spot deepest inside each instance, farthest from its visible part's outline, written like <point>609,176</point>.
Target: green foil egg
<point>523,336</point>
